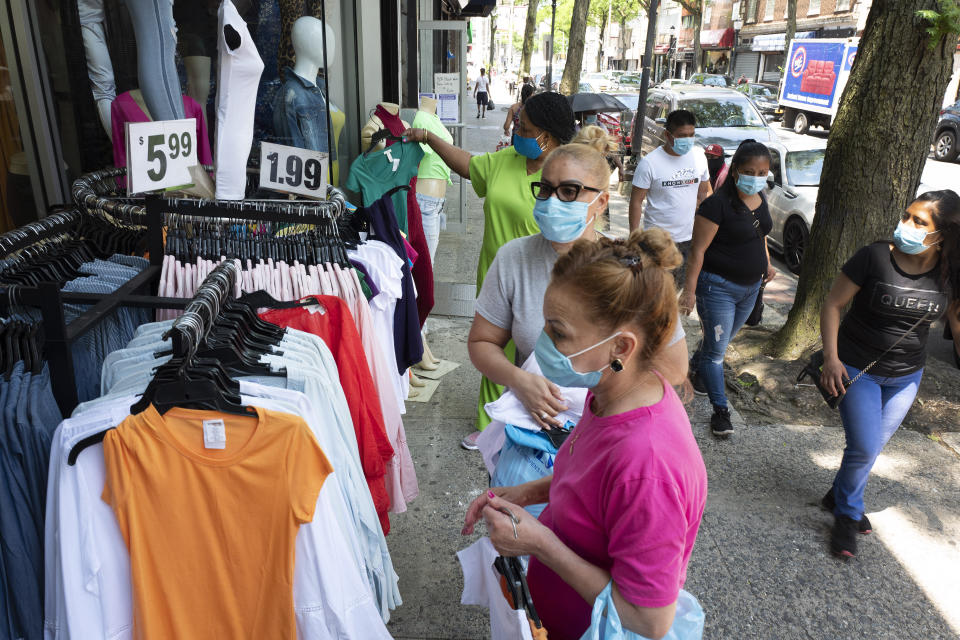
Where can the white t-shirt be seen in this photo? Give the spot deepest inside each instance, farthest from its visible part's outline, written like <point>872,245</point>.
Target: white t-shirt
<point>673,182</point>
<point>483,82</point>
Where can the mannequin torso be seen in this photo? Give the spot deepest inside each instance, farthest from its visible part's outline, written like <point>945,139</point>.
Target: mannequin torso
<point>433,187</point>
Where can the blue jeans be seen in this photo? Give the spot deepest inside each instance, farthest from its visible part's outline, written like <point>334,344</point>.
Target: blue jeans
<point>723,307</point>
<point>871,411</point>
<point>434,219</point>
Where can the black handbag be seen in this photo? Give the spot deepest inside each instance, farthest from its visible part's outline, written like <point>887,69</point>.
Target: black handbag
<point>814,367</point>
<point>757,314</point>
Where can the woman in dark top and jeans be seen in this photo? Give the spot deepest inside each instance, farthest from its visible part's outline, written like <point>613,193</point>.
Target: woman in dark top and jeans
<point>893,286</point>
<point>728,262</point>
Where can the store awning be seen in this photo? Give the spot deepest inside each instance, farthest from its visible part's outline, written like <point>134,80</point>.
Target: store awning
<point>661,48</point>
<point>477,8</point>
<point>775,41</point>
<point>716,38</point>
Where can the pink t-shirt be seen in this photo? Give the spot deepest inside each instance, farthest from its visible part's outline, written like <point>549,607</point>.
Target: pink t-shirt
<point>629,499</point>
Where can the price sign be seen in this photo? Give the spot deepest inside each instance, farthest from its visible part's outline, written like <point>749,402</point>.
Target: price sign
<point>160,154</point>
<point>294,170</point>
<point>446,83</point>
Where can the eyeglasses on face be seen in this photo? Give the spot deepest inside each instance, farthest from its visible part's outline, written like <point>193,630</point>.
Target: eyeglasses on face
<point>566,191</point>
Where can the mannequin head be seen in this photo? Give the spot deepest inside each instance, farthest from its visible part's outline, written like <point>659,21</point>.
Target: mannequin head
<point>428,104</point>
<point>307,37</point>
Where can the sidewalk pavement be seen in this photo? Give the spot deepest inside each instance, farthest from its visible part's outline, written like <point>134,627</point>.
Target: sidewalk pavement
<point>760,568</point>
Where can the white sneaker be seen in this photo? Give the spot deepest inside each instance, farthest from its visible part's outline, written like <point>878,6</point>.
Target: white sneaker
<point>470,442</point>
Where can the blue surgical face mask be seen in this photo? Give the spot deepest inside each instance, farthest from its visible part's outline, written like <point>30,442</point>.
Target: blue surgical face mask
<point>682,146</point>
<point>557,367</point>
<point>528,147</point>
<point>751,184</point>
<point>909,239</point>
<point>561,221</point>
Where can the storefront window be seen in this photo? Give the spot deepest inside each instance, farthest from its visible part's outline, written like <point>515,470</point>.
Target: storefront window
<point>118,61</point>
<point>14,177</point>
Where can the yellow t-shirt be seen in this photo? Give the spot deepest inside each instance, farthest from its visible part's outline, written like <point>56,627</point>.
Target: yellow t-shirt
<point>212,531</point>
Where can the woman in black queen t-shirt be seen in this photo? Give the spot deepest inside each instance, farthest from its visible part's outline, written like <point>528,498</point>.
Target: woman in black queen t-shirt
<point>892,286</point>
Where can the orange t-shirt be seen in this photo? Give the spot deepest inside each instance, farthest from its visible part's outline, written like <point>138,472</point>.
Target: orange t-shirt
<point>212,531</point>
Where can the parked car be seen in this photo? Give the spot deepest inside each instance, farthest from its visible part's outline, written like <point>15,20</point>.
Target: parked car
<point>671,83</point>
<point>630,81</point>
<point>764,96</point>
<point>626,117</point>
<point>711,80</point>
<point>792,197</point>
<point>724,116</point>
<point>599,81</point>
<point>945,141</point>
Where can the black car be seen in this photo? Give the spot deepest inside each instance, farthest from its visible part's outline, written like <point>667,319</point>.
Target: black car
<point>711,80</point>
<point>945,146</point>
<point>724,116</point>
<point>764,96</point>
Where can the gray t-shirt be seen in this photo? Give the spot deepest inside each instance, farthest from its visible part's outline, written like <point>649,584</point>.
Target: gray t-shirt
<point>512,294</point>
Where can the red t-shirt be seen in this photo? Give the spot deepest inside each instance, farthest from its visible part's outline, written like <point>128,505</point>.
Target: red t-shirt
<point>337,329</point>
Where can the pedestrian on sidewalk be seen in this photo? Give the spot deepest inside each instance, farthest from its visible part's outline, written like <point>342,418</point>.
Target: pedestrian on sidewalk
<point>571,194</point>
<point>512,124</point>
<point>481,91</point>
<point>728,261</point>
<point>503,179</point>
<point>627,495</point>
<point>898,290</point>
<point>715,163</point>
<point>674,179</point>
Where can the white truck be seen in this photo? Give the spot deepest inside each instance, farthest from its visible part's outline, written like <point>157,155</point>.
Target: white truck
<point>814,78</point>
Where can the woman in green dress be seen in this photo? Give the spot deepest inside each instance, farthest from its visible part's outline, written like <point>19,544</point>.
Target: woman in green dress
<point>503,180</point>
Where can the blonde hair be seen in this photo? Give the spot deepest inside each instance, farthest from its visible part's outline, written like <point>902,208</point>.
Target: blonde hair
<point>627,281</point>
<point>589,150</point>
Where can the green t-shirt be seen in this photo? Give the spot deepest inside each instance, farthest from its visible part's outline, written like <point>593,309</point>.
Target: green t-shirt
<point>378,172</point>
<point>501,179</point>
<point>432,166</point>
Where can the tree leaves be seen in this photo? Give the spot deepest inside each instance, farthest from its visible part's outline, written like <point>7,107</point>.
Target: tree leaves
<point>942,23</point>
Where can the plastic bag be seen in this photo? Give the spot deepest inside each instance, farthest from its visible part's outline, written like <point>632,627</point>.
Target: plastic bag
<point>526,455</point>
<point>504,143</point>
<point>687,622</point>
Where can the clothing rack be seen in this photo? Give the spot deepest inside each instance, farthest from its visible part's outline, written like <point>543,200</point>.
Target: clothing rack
<point>189,330</point>
<point>59,336</point>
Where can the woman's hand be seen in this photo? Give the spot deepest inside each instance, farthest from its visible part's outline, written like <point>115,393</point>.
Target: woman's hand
<point>832,376</point>
<point>525,537</point>
<point>688,299</point>
<point>514,495</point>
<point>540,397</point>
<point>771,272</point>
<point>416,135</point>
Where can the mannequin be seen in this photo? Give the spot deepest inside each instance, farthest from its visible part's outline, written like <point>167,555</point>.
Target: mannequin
<point>154,28</point>
<point>301,113</point>
<point>374,124</point>
<point>99,65</point>
<point>433,187</point>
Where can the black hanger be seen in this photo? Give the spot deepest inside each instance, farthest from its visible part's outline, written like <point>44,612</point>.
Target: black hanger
<point>378,137</point>
<point>512,571</point>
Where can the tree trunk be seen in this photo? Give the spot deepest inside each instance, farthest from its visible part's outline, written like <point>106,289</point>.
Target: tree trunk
<point>528,34</point>
<point>697,24</point>
<point>622,41</point>
<point>600,49</point>
<point>875,154</point>
<point>577,39</point>
<point>493,41</point>
<point>791,31</point>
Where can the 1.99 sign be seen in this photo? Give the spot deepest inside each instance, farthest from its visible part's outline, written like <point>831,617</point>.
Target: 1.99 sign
<point>293,170</point>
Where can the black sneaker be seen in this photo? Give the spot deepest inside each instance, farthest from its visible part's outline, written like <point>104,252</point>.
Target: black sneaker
<point>720,422</point>
<point>829,504</point>
<point>698,387</point>
<point>843,537</point>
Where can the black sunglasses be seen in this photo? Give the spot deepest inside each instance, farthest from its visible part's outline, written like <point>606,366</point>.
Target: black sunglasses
<point>566,191</point>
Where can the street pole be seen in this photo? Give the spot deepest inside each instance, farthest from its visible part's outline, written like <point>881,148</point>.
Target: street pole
<point>553,27</point>
<point>640,119</point>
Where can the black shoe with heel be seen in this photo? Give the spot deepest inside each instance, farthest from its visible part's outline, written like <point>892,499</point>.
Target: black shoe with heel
<point>829,504</point>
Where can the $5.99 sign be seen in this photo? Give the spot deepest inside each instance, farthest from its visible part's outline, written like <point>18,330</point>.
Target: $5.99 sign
<point>293,170</point>
<point>160,154</point>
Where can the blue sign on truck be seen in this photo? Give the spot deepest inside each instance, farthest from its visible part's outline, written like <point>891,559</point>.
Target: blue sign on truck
<point>815,76</point>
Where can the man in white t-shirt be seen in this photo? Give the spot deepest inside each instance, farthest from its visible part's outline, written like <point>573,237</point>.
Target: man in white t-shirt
<point>481,93</point>
<point>674,179</point>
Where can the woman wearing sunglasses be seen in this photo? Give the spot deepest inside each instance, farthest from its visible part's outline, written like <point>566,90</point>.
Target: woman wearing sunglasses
<point>570,195</point>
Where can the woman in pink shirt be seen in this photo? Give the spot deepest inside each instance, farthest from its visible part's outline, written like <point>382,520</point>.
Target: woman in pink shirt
<point>629,484</point>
